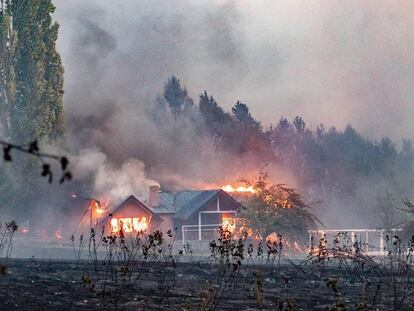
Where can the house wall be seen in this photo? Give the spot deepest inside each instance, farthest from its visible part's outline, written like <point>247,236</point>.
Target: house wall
<point>129,210</point>
<point>225,204</point>
<point>166,224</point>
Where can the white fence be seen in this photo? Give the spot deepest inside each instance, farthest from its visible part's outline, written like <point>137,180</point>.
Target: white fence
<point>200,228</point>
<point>373,241</point>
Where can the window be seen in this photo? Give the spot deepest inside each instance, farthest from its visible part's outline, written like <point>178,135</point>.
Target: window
<point>114,225</point>
<point>140,224</point>
<point>125,224</point>
<point>129,224</point>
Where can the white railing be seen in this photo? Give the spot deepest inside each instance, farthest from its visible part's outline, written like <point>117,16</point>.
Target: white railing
<point>374,246</point>
<point>199,229</point>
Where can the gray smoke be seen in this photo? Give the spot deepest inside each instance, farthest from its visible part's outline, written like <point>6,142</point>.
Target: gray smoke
<point>333,62</point>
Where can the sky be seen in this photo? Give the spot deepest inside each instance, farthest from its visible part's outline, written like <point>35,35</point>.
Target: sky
<point>333,62</point>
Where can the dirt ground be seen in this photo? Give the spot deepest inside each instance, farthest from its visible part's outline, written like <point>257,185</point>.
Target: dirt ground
<point>60,285</point>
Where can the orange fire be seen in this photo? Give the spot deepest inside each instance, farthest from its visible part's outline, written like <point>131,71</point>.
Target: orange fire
<point>230,188</point>
<point>114,225</point>
<point>130,224</point>
<point>294,247</point>
<point>99,207</point>
<point>229,224</point>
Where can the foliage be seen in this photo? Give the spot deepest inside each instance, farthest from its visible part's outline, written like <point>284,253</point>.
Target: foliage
<point>33,149</point>
<point>177,97</point>
<point>339,274</point>
<point>127,259</point>
<point>327,163</point>
<point>8,42</point>
<point>277,208</point>
<point>37,107</point>
<point>31,98</point>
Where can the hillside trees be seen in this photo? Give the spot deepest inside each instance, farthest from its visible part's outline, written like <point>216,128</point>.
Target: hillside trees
<point>330,162</point>
<point>329,159</point>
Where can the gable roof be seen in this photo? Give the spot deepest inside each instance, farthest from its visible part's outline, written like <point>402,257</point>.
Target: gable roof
<point>133,200</point>
<point>184,204</point>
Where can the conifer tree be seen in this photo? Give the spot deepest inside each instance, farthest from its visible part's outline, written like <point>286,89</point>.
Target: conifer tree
<point>38,107</point>
<point>177,97</point>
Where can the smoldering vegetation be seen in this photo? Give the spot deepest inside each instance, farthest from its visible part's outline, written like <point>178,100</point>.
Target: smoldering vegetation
<point>146,271</point>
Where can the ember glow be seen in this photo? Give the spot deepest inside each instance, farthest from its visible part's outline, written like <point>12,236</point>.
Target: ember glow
<point>100,208</point>
<point>230,188</point>
<point>58,234</point>
<point>229,223</point>
<point>129,224</point>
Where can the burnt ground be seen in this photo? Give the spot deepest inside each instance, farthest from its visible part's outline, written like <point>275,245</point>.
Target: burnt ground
<point>58,285</point>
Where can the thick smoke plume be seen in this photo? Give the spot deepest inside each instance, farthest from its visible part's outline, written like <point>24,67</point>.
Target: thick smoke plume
<point>115,183</point>
<point>336,63</point>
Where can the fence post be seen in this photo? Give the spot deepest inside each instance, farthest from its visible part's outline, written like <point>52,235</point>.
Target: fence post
<point>382,242</point>
<point>199,226</point>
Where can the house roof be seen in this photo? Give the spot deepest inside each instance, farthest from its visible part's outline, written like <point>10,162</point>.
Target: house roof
<point>183,204</point>
<point>172,202</point>
<point>133,200</point>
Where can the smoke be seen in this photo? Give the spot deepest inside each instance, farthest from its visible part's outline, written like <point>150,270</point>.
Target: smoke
<point>110,181</point>
<point>337,62</point>
<point>331,62</point>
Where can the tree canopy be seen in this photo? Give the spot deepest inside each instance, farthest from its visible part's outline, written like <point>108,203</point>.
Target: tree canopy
<point>276,208</point>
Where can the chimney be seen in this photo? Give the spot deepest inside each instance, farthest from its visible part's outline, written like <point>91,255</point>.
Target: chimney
<point>154,196</point>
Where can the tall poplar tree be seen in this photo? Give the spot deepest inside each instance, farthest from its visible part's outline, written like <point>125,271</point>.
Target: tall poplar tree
<point>31,93</point>
<point>8,40</point>
<point>37,112</point>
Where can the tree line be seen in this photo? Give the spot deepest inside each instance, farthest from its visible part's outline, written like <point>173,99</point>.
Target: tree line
<point>326,161</point>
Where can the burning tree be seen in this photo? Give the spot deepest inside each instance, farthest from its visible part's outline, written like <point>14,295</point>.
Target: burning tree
<point>276,208</point>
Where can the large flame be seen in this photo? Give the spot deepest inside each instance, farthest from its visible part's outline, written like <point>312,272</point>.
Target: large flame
<point>230,188</point>
<point>129,224</point>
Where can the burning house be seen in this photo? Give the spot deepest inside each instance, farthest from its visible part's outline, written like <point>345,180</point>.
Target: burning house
<point>194,214</point>
<point>131,216</point>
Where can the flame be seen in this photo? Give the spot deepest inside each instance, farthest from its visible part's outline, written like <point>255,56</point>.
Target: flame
<point>229,223</point>
<point>273,238</point>
<point>126,224</point>
<point>58,234</point>
<point>230,188</point>
<point>295,247</point>
<point>114,225</point>
<point>134,224</point>
<point>140,224</point>
<point>99,208</point>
